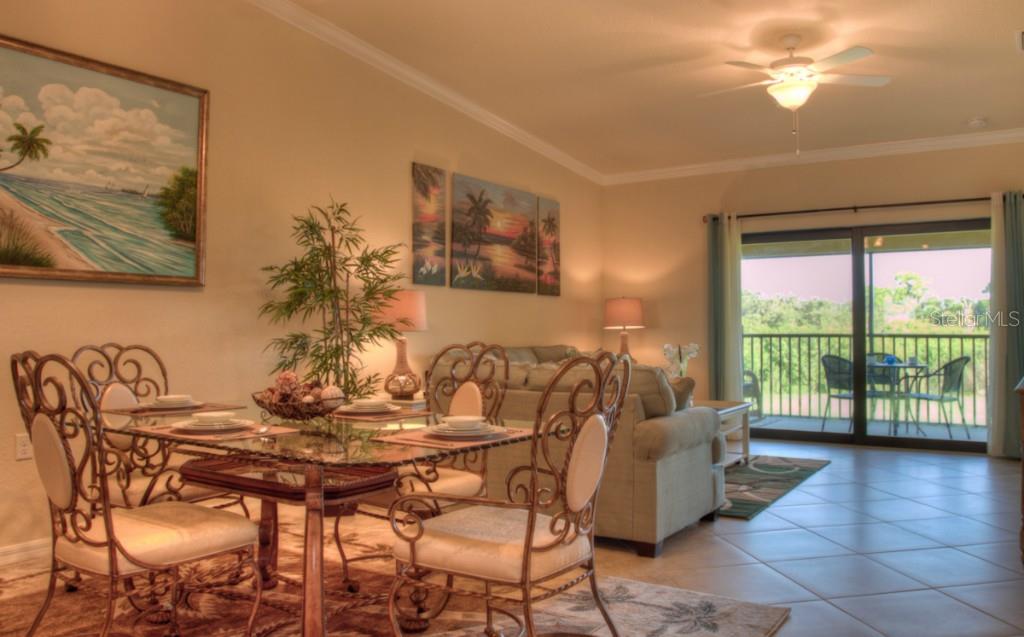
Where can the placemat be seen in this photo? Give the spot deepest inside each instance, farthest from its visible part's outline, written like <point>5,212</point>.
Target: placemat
<point>421,438</point>
<point>143,410</point>
<point>170,432</point>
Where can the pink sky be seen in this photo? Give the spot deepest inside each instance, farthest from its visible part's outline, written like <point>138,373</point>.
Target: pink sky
<point>947,274</point>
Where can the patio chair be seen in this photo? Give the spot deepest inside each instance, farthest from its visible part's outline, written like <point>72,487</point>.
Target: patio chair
<point>839,380</point>
<point>752,390</point>
<point>949,380</point>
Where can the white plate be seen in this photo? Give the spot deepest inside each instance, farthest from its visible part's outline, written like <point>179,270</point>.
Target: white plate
<point>196,427</point>
<point>189,405</point>
<point>490,430</point>
<point>350,409</point>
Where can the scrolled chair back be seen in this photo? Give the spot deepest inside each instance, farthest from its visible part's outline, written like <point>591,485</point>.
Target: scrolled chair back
<point>468,380</point>
<point>71,456</point>
<point>137,367</point>
<point>574,428</point>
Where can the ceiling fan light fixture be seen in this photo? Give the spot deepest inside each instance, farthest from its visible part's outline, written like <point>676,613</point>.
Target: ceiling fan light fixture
<point>792,93</point>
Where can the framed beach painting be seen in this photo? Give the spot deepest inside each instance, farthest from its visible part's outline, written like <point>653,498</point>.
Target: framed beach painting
<point>549,248</point>
<point>494,237</point>
<point>102,173</point>
<point>429,243</point>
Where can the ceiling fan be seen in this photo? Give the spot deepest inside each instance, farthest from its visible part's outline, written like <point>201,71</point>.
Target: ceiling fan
<point>793,79</point>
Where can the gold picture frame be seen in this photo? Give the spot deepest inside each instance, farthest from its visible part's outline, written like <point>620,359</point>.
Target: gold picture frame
<point>108,180</point>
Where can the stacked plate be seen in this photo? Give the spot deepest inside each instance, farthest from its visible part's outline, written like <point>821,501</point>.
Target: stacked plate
<point>464,427</point>
<point>369,406</point>
<point>213,422</point>
<point>174,401</point>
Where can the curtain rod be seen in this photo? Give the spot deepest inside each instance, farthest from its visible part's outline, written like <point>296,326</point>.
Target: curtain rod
<point>876,206</point>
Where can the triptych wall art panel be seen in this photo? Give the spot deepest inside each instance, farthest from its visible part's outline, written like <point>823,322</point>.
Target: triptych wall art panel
<point>502,238</point>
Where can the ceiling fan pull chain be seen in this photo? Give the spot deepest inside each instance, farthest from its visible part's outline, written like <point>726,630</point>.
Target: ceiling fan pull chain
<point>796,130</point>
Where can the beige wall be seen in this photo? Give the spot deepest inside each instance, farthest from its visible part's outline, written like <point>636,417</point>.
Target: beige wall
<point>292,122</point>
<point>656,244</point>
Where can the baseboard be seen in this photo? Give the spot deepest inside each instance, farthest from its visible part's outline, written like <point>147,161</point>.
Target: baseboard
<point>32,550</point>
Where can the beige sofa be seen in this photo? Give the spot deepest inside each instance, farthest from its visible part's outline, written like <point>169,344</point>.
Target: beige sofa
<point>664,472</point>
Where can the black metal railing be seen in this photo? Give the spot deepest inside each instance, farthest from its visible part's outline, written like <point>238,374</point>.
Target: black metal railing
<point>792,380</point>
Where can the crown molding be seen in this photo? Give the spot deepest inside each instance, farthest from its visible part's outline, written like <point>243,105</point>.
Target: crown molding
<point>332,34</point>
<point>343,40</point>
<point>863,151</point>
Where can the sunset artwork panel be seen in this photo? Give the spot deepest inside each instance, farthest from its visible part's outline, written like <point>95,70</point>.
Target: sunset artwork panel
<point>101,170</point>
<point>549,248</point>
<point>429,243</point>
<point>494,237</point>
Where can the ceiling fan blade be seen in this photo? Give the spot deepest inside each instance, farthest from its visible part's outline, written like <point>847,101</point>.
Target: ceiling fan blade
<point>873,81</point>
<point>749,65</point>
<point>851,54</point>
<point>738,88</point>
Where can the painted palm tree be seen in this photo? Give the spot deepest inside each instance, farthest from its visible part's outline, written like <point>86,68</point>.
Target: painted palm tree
<point>480,216</point>
<point>550,229</point>
<point>28,145</point>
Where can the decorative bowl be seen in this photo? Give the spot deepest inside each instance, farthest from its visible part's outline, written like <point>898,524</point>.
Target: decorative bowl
<point>295,409</point>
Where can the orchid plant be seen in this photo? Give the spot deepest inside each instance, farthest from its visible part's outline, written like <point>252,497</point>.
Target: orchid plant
<point>678,356</point>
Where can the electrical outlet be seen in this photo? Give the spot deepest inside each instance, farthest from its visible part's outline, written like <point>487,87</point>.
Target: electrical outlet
<point>22,447</point>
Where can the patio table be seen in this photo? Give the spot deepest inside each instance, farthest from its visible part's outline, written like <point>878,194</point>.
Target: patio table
<point>318,448</point>
<point>895,375</point>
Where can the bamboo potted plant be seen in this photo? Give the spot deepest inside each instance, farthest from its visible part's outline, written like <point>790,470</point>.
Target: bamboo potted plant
<point>340,285</point>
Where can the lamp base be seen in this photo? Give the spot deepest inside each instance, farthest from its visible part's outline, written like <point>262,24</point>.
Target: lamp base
<point>402,383</point>
<point>624,343</point>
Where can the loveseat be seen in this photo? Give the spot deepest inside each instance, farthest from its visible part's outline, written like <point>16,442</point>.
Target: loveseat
<point>664,472</point>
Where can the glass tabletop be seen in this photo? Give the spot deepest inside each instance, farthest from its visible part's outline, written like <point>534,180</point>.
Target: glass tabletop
<point>324,441</point>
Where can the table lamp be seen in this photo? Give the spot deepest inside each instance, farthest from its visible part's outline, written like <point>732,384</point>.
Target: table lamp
<point>623,314</point>
<point>408,313</point>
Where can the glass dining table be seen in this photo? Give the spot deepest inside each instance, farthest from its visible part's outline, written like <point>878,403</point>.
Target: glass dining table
<point>323,465</point>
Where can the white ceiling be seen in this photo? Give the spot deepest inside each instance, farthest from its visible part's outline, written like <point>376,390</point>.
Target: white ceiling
<point>609,88</point>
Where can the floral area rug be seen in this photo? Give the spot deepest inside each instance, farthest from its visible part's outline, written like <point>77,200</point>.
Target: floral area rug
<point>753,487</point>
<point>640,609</point>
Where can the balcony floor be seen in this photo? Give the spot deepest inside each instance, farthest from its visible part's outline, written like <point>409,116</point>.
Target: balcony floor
<point>875,428</point>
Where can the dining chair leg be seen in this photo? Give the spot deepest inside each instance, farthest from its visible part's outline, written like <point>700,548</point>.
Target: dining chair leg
<point>600,603</point>
<point>531,628</point>
<point>46,602</point>
<point>258,585</point>
<point>351,585</point>
<point>111,607</point>
<point>396,586</point>
<point>175,594</point>
<point>489,630</point>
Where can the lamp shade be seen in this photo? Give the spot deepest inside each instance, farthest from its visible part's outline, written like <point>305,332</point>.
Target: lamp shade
<point>623,314</point>
<point>407,311</point>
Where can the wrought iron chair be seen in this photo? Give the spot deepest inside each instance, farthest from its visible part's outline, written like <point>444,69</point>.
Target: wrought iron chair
<point>949,381</point>
<point>539,539</point>
<point>122,376</point>
<point>839,382</point>
<point>752,390</point>
<point>139,551</point>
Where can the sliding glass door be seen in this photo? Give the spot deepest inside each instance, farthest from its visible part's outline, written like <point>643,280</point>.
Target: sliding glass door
<point>874,335</point>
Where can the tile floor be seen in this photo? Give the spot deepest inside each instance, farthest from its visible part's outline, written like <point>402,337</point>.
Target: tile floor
<point>881,542</point>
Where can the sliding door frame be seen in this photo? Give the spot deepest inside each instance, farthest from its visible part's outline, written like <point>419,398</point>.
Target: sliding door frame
<point>857,236</point>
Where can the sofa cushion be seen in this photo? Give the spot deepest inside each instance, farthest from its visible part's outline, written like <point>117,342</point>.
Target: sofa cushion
<point>650,383</point>
<point>521,355</point>
<point>683,390</point>
<point>553,353</point>
<point>656,438</point>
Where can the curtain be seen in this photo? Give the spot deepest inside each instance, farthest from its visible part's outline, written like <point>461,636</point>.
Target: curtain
<point>1006,341</point>
<point>725,326</point>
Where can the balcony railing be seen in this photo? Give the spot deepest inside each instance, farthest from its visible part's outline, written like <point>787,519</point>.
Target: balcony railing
<point>792,379</point>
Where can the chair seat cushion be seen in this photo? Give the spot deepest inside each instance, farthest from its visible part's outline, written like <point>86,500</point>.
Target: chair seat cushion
<point>488,542</point>
<point>452,481</point>
<point>160,534</point>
